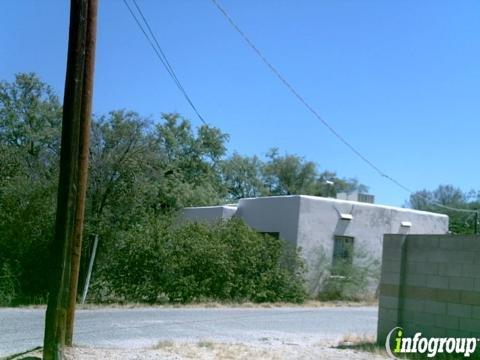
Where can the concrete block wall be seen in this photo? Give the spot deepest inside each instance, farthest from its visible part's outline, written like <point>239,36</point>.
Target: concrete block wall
<point>430,284</point>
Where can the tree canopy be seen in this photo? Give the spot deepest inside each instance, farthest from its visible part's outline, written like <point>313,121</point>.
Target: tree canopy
<point>140,170</point>
<point>461,222</point>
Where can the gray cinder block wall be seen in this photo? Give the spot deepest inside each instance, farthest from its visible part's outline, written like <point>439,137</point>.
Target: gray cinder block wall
<point>430,284</point>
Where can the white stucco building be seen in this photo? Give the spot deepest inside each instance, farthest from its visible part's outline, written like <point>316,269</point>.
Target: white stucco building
<point>325,225</point>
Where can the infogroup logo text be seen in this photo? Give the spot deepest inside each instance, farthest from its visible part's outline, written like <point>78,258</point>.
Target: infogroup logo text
<point>430,346</point>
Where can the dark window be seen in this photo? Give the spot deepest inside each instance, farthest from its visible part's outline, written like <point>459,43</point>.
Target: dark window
<point>275,235</point>
<point>342,251</point>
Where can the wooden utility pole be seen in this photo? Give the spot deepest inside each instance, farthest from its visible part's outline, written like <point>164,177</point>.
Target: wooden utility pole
<point>85,121</point>
<point>55,322</point>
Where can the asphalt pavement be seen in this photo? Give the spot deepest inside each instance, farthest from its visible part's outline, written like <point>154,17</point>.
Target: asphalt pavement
<point>22,329</point>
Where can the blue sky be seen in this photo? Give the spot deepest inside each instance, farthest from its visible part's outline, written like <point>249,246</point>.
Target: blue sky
<point>399,80</point>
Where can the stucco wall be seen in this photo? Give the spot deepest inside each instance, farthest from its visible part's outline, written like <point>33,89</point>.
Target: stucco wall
<point>208,213</point>
<point>320,220</point>
<point>430,284</point>
<point>272,214</point>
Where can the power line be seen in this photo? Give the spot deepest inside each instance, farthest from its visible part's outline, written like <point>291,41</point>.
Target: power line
<point>162,54</point>
<point>152,40</point>
<point>166,63</point>
<point>310,108</point>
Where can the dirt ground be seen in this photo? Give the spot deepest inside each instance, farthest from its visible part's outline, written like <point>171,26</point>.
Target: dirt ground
<point>210,350</point>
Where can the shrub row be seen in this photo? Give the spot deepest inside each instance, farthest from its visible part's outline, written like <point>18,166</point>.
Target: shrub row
<point>158,262</point>
<point>226,262</point>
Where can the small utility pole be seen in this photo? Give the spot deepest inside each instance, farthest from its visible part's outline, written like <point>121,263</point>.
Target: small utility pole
<point>90,269</point>
<point>55,322</point>
<point>85,121</point>
<point>476,222</point>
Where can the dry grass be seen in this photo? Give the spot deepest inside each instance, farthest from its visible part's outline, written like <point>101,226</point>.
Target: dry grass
<point>164,344</point>
<point>354,339</point>
<point>209,350</point>
<point>206,344</point>
<point>216,304</point>
<point>362,343</point>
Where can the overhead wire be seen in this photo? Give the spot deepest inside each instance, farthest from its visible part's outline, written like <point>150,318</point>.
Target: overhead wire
<point>154,43</point>
<point>312,110</point>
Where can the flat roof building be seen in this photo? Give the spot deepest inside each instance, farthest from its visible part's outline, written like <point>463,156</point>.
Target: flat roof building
<point>327,226</point>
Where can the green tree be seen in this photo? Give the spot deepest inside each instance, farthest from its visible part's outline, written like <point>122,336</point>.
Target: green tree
<point>141,171</point>
<point>460,222</point>
<point>30,117</point>
<point>136,170</point>
<point>193,162</point>
<point>293,175</point>
<point>122,160</point>
<point>329,184</point>
<point>138,166</point>
<point>289,174</point>
<point>242,176</point>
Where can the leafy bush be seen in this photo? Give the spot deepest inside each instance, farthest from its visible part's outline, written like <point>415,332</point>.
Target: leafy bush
<point>227,261</point>
<point>349,280</point>
<point>26,229</point>
<point>8,285</point>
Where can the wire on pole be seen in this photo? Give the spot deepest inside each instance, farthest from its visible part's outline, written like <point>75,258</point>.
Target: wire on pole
<point>312,110</point>
<point>154,43</point>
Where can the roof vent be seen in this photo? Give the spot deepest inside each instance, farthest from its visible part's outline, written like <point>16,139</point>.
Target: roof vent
<point>406,224</point>
<point>345,216</point>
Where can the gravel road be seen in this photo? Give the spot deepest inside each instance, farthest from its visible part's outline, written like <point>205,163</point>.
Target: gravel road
<point>22,329</point>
